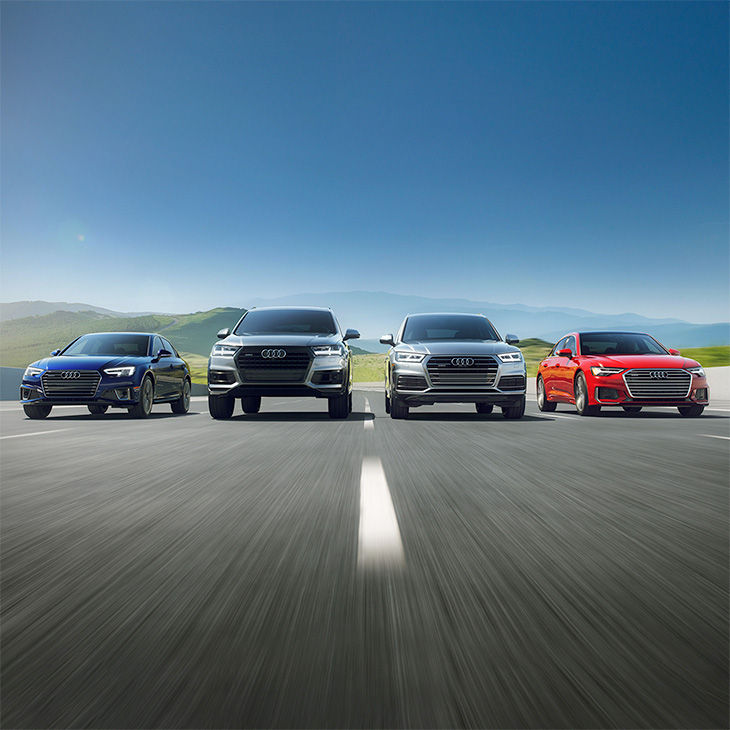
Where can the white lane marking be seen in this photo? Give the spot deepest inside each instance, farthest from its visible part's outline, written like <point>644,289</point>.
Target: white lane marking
<point>35,433</point>
<point>554,415</point>
<point>379,541</point>
<point>368,424</point>
<point>711,436</point>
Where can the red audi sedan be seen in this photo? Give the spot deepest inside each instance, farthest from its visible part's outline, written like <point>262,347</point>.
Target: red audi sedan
<point>626,369</point>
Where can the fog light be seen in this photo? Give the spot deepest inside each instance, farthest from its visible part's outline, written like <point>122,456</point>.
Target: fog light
<point>701,394</point>
<point>122,393</point>
<point>607,394</point>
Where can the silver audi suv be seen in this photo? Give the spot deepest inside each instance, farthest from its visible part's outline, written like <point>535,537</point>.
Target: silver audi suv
<point>281,351</point>
<point>453,358</point>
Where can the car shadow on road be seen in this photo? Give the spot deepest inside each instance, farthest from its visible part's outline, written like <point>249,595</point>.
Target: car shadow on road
<point>470,417</point>
<point>300,416</point>
<point>120,417</point>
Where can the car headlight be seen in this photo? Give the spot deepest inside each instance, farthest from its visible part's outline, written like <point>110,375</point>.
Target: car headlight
<point>510,357</point>
<point>699,372</point>
<point>600,371</point>
<point>408,357</point>
<point>31,372</point>
<point>125,372</point>
<point>329,350</point>
<point>223,351</point>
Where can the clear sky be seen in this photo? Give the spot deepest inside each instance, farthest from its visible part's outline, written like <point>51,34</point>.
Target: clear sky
<point>178,156</point>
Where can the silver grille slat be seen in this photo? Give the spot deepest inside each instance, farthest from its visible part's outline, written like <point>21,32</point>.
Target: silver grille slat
<point>56,386</point>
<point>640,383</point>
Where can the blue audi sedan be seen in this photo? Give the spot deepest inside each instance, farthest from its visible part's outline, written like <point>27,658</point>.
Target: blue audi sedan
<point>131,370</point>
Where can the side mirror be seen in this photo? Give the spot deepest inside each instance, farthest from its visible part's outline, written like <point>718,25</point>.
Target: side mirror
<point>512,339</point>
<point>565,352</point>
<point>223,333</point>
<point>387,340</point>
<point>672,351</point>
<point>160,354</point>
<point>55,352</point>
<point>351,335</point>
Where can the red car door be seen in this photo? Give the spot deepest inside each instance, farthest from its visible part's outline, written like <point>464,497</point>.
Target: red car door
<point>549,370</point>
<point>565,370</point>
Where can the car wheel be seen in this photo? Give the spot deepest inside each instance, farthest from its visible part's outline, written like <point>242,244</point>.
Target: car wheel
<point>251,403</point>
<point>96,410</point>
<point>387,403</point>
<point>580,391</point>
<point>484,407</point>
<point>542,400</point>
<point>515,411</point>
<point>143,407</point>
<point>337,407</point>
<point>37,412</point>
<point>691,411</point>
<point>182,404</point>
<point>220,406</point>
<point>631,410</point>
<point>398,409</point>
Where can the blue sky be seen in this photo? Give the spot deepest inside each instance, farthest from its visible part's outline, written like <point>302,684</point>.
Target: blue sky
<point>179,156</point>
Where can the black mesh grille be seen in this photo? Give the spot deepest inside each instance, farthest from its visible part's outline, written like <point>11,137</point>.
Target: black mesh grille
<point>512,382</point>
<point>291,368</point>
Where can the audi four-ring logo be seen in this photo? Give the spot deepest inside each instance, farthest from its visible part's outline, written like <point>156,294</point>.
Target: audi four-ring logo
<point>462,362</point>
<point>68,374</point>
<point>658,374</point>
<point>273,353</point>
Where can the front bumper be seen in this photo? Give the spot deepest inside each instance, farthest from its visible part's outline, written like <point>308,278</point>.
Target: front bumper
<point>121,393</point>
<point>611,390</point>
<point>408,379</point>
<point>326,377</point>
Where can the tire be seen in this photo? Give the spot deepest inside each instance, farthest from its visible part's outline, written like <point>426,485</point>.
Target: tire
<point>580,391</point>
<point>387,403</point>
<point>143,407</point>
<point>691,411</point>
<point>97,410</point>
<point>543,403</point>
<point>220,406</point>
<point>251,403</point>
<point>484,407</point>
<point>182,404</point>
<point>338,407</point>
<point>398,409</point>
<point>515,411</point>
<point>37,412</point>
<point>349,403</point>
<point>631,410</point>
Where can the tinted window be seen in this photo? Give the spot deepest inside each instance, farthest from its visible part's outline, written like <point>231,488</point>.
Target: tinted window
<point>109,344</point>
<point>619,343</point>
<point>286,321</point>
<point>157,346</point>
<point>430,327</point>
<point>168,346</point>
<point>559,346</point>
<point>570,344</point>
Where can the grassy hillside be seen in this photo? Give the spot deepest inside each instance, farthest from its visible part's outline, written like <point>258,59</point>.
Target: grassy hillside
<point>709,357</point>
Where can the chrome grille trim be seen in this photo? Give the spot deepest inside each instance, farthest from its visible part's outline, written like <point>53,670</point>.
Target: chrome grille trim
<point>640,383</point>
<point>482,373</point>
<point>85,386</point>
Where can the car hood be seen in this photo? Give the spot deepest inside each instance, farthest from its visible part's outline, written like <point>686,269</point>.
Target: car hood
<point>280,340</point>
<point>456,347</point>
<point>87,362</point>
<point>641,361</point>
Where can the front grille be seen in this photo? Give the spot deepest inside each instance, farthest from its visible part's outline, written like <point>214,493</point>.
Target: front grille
<point>643,383</point>
<point>411,382</point>
<point>482,371</point>
<point>292,368</point>
<point>512,382</point>
<point>55,385</point>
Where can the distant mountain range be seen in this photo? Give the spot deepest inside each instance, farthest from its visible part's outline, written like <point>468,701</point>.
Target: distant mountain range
<point>29,330</point>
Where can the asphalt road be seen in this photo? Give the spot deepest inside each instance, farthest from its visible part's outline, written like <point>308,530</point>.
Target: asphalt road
<point>286,570</point>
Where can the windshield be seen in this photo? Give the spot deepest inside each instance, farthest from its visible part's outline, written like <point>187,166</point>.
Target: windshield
<point>286,322</point>
<point>619,343</point>
<point>120,345</point>
<point>434,327</point>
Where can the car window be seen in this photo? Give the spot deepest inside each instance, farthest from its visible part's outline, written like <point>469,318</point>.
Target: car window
<point>435,327</point>
<point>168,346</point>
<point>570,344</point>
<point>119,344</point>
<point>619,343</point>
<point>157,345</point>
<point>286,321</point>
<point>559,346</point>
